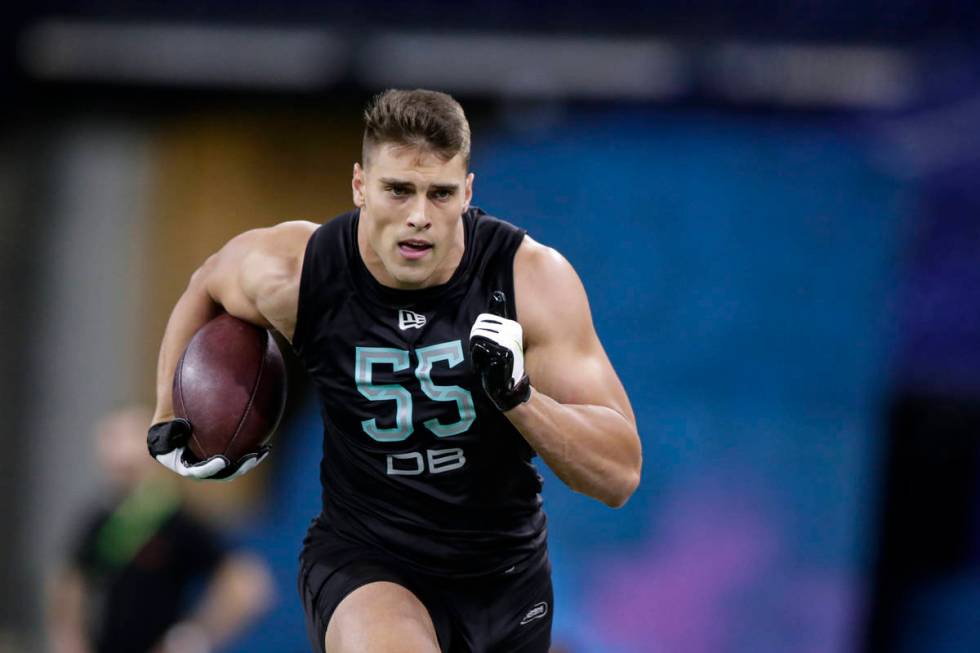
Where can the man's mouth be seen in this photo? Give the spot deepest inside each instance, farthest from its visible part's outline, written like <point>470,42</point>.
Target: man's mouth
<point>414,248</point>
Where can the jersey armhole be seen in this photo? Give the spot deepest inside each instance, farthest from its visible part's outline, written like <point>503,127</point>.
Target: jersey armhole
<point>303,300</point>
<point>511,290</point>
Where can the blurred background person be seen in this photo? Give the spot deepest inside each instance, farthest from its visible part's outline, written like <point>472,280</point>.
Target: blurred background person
<point>144,574</point>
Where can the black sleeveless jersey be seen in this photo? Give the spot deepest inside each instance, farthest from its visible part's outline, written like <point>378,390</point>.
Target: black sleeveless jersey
<point>416,460</point>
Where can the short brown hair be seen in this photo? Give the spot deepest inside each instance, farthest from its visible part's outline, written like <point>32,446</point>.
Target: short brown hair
<point>421,118</point>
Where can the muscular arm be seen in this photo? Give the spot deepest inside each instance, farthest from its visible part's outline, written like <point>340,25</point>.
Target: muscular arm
<point>254,277</point>
<point>578,419</point>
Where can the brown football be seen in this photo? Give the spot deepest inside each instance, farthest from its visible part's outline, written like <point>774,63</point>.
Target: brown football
<point>230,384</point>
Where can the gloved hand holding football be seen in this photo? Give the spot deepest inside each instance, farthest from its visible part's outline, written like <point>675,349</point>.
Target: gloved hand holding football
<point>167,442</point>
<point>229,392</point>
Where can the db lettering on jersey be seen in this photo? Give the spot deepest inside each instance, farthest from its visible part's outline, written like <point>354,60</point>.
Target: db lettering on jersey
<point>436,461</point>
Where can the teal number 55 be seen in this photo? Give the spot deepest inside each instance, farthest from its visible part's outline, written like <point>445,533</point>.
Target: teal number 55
<point>450,352</point>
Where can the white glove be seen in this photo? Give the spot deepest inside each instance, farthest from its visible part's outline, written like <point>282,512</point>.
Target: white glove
<point>167,443</point>
<point>508,334</point>
<point>497,353</point>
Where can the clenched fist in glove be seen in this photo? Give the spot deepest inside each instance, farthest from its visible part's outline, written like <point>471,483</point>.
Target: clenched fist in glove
<point>167,443</point>
<point>497,352</point>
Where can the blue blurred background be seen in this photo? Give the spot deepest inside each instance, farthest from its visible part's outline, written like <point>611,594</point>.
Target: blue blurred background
<point>774,211</point>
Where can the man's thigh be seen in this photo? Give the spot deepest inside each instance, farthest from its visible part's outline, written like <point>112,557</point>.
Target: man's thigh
<point>381,616</point>
<point>365,606</point>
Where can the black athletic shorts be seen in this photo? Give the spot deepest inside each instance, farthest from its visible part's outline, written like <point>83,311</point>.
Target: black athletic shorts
<point>510,612</point>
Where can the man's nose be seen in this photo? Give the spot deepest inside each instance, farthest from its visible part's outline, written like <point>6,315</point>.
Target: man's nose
<point>418,217</point>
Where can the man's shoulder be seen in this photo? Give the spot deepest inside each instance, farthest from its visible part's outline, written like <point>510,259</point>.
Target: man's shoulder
<point>296,226</point>
<point>282,240</point>
<point>534,258</point>
<point>548,290</point>
<point>293,231</point>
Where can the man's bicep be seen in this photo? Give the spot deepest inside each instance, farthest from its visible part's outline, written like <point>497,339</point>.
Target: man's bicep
<point>224,281</point>
<point>564,357</point>
<point>577,375</point>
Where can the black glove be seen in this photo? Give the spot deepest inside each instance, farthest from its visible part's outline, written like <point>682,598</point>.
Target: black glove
<point>497,352</point>
<point>167,442</point>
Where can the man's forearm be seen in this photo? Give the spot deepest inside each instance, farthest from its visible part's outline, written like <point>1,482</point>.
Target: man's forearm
<point>592,449</point>
<point>193,310</point>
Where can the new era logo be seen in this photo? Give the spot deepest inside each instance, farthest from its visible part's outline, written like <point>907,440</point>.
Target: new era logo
<point>538,611</point>
<point>410,320</point>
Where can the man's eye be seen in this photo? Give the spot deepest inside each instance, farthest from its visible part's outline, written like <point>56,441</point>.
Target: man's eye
<point>397,191</point>
<point>442,194</point>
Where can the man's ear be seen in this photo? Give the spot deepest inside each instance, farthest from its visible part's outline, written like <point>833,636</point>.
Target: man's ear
<point>357,185</point>
<point>468,192</point>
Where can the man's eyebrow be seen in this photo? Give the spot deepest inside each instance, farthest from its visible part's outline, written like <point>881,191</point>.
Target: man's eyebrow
<point>390,181</point>
<point>395,182</point>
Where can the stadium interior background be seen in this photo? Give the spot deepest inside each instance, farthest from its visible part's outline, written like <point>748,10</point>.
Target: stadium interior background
<point>775,212</point>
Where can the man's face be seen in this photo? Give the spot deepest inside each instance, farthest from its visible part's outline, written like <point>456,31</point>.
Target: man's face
<point>411,201</point>
<point>121,447</point>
